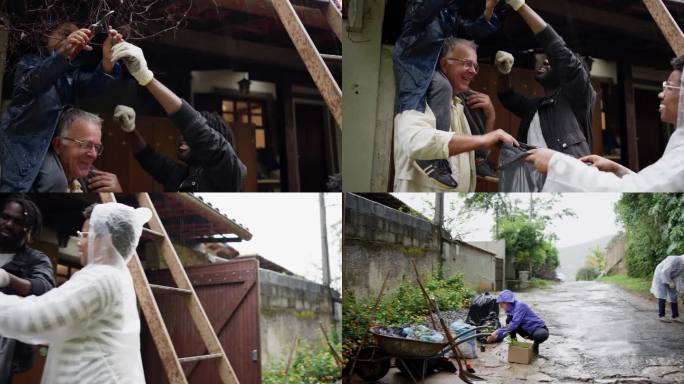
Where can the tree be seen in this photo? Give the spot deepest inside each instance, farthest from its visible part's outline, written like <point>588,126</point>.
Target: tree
<point>529,247</point>
<point>597,260</point>
<point>540,207</point>
<point>654,229</point>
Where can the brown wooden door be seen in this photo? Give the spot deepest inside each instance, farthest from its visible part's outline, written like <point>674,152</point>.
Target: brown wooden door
<point>311,146</point>
<point>229,293</point>
<point>246,151</point>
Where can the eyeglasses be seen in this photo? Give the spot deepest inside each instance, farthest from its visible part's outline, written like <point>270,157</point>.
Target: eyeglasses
<point>468,64</point>
<point>82,235</point>
<point>667,86</point>
<point>87,145</point>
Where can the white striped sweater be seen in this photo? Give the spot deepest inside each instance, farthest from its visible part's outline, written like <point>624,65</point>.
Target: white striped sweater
<point>90,323</point>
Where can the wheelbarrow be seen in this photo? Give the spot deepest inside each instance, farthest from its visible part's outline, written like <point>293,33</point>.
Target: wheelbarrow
<point>411,356</point>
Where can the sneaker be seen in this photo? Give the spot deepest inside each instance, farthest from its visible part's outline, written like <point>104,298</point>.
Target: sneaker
<point>664,319</point>
<point>484,168</point>
<point>438,171</point>
<point>678,320</point>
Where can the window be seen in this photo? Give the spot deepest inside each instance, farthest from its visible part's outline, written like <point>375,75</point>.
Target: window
<point>246,112</point>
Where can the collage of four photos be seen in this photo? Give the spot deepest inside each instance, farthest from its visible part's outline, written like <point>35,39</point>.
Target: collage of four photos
<point>341,191</point>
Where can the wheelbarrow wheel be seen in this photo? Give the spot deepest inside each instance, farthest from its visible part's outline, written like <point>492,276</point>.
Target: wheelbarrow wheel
<point>373,364</point>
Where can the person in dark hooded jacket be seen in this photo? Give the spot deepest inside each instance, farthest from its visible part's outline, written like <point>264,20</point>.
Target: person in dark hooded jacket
<point>44,85</point>
<point>211,164</point>
<point>427,24</point>
<point>562,119</point>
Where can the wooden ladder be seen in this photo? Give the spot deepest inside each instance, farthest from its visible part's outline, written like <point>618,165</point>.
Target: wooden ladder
<point>313,60</point>
<point>144,291</point>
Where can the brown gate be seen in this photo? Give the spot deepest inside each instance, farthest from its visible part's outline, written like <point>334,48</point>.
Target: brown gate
<point>499,274</point>
<point>229,293</point>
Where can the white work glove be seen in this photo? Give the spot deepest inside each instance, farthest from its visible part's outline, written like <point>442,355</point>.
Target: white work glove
<point>516,4</point>
<point>125,116</point>
<point>4,278</point>
<point>504,62</point>
<point>134,60</point>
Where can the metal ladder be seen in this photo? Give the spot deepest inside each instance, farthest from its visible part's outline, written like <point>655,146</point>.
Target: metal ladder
<point>314,60</point>
<point>144,291</point>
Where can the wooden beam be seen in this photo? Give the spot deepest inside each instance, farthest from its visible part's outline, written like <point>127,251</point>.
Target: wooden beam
<point>590,15</point>
<point>334,17</point>
<point>312,59</point>
<point>310,16</point>
<point>673,34</point>
<point>232,48</point>
<point>625,78</point>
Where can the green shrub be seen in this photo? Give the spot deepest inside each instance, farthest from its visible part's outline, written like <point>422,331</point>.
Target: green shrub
<point>312,364</point>
<point>654,229</point>
<point>404,306</point>
<point>586,273</point>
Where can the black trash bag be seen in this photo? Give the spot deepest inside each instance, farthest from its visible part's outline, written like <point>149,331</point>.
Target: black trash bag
<point>484,310</point>
<point>515,175</point>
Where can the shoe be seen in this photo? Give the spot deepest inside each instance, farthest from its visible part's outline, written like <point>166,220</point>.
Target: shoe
<point>484,168</point>
<point>678,320</point>
<point>438,171</point>
<point>664,319</point>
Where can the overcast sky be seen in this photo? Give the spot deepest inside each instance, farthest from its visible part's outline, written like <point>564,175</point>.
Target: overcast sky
<point>286,228</point>
<point>595,216</point>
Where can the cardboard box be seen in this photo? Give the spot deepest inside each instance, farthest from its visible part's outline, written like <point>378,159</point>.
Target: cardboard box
<point>520,352</point>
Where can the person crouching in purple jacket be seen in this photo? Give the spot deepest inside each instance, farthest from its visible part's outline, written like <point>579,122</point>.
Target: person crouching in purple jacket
<point>520,320</point>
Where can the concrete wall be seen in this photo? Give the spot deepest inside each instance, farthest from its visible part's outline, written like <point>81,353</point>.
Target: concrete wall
<point>292,306</point>
<point>615,256</point>
<point>477,265</point>
<point>361,74</point>
<point>381,241</point>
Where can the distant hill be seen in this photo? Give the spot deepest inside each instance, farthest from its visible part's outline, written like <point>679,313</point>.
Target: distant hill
<point>572,258</point>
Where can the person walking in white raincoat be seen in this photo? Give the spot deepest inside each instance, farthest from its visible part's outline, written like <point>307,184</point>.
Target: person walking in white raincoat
<point>664,286</point>
<point>566,174</point>
<point>91,322</point>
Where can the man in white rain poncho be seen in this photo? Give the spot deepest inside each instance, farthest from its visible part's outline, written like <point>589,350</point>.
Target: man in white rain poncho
<point>566,174</point>
<point>668,274</point>
<point>91,322</point>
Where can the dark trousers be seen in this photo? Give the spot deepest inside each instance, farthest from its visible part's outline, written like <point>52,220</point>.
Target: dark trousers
<point>539,335</point>
<point>673,306</point>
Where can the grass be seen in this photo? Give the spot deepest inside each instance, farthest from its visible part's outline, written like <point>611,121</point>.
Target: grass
<point>639,285</point>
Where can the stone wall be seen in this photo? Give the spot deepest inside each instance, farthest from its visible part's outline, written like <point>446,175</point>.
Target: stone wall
<point>292,306</point>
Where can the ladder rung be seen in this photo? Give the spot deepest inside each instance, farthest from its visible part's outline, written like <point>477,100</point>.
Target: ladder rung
<point>200,358</point>
<point>167,289</point>
<point>151,234</point>
<point>331,57</point>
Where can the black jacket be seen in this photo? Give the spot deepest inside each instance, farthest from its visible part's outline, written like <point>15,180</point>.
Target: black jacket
<point>35,267</point>
<point>218,169</point>
<point>565,117</point>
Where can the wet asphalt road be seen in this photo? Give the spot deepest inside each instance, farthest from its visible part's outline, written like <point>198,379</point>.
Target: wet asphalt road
<point>599,334</point>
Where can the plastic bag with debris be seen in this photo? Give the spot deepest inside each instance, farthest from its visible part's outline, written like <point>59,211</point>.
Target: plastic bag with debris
<point>515,175</point>
<point>422,333</point>
<point>462,331</point>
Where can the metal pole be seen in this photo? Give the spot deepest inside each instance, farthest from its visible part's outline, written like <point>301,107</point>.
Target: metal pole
<point>324,241</point>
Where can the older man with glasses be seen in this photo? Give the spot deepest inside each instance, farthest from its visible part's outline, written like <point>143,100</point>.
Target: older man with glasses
<point>68,165</point>
<point>417,135</point>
